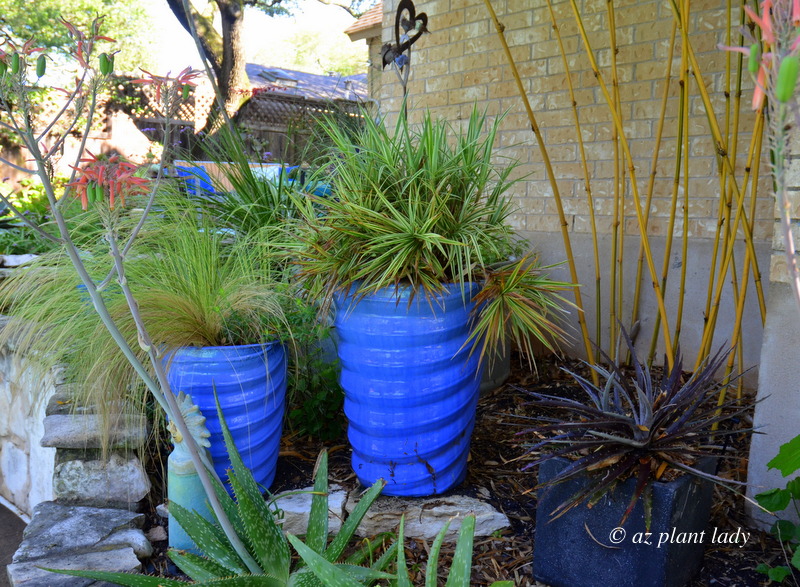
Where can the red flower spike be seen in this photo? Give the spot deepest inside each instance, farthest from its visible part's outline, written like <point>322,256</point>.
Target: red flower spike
<point>765,23</point>
<point>185,77</point>
<point>118,176</point>
<point>759,93</point>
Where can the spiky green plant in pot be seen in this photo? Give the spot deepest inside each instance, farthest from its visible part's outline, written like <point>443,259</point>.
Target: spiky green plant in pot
<point>415,251</point>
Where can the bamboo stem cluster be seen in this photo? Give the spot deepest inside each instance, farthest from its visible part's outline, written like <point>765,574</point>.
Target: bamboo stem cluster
<point>729,265</point>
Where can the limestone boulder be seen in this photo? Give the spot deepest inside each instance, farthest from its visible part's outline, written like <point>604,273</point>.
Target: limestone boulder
<point>56,530</point>
<point>425,517</point>
<point>84,431</point>
<point>119,481</point>
<point>296,509</point>
<point>31,573</point>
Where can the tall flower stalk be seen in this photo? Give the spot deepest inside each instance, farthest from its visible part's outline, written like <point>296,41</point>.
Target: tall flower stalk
<point>107,180</point>
<point>774,60</point>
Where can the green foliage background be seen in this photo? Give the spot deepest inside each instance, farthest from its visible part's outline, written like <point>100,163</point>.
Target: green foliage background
<point>127,21</point>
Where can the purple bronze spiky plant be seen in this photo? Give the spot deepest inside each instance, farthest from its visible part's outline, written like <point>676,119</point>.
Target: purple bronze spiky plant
<point>633,425</point>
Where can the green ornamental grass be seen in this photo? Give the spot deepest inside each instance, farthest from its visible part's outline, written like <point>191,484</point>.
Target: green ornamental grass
<point>425,206</point>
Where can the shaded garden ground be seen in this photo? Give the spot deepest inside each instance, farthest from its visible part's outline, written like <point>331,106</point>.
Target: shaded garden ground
<point>498,456</point>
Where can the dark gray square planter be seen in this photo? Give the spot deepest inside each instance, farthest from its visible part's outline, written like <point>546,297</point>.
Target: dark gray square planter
<point>566,555</point>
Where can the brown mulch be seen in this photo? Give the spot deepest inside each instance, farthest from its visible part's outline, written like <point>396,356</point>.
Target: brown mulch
<point>496,475</point>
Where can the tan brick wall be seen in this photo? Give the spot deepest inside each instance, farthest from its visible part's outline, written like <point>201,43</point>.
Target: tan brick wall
<point>374,73</point>
<point>461,62</point>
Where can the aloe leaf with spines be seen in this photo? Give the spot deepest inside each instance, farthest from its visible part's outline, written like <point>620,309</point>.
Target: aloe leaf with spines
<point>329,574</point>
<point>402,580</point>
<point>317,532</point>
<point>209,538</point>
<point>265,537</point>
<point>350,525</point>
<point>127,579</point>
<point>386,558</point>
<point>433,556</point>
<point>198,568</point>
<point>461,567</point>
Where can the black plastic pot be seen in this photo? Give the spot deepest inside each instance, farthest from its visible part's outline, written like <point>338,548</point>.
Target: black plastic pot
<point>585,548</point>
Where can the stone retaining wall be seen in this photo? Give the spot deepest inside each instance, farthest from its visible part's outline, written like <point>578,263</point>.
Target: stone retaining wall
<point>26,468</point>
<point>92,524</point>
<point>82,503</point>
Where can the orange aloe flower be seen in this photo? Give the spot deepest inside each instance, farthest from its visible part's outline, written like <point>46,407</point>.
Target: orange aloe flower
<point>115,177</point>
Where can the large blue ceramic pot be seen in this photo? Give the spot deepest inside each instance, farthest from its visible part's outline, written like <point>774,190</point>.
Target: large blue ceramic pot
<point>250,381</point>
<point>410,388</point>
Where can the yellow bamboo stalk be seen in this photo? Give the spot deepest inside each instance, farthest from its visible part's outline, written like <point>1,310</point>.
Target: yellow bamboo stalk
<point>740,381</point>
<point>685,235</point>
<point>715,251</point>
<point>733,140</point>
<point>723,154</point>
<point>652,181</point>
<point>754,161</point>
<point>728,241</point>
<point>619,164</point>
<point>686,159</point>
<point>617,226</point>
<point>683,111</point>
<point>740,217</point>
<point>553,183</point>
<point>586,175</point>
<point>720,243</point>
<point>726,199</point>
<point>634,187</point>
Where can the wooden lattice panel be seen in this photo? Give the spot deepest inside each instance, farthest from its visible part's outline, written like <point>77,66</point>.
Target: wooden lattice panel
<point>153,108</point>
<point>273,111</point>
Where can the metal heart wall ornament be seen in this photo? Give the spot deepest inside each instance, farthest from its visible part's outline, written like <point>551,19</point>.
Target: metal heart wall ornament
<point>406,18</point>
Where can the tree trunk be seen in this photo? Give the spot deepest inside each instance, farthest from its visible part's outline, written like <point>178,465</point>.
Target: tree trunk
<point>210,46</point>
<point>233,81</point>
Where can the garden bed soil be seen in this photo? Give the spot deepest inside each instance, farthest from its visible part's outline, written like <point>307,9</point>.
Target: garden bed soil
<point>497,475</point>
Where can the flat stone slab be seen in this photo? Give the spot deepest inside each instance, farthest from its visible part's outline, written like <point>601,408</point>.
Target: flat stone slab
<point>119,481</point>
<point>58,530</point>
<point>296,509</point>
<point>83,431</point>
<point>62,402</point>
<point>28,574</point>
<point>425,517</point>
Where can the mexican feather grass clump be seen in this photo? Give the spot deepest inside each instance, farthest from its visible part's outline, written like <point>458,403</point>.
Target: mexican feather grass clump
<point>193,288</point>
<point>424,206</point>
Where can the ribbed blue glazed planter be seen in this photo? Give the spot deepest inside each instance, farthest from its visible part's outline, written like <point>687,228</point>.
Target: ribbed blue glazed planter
<point>250,381</point>
<point>410,393</point>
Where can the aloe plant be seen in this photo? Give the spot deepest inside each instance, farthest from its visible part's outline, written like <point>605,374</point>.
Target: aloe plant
<point>634,425</point>
<point>256,523</point>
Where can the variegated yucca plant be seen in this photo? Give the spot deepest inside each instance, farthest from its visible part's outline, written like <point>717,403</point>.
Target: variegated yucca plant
<point>268,559</point>
<point>634,425</point>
